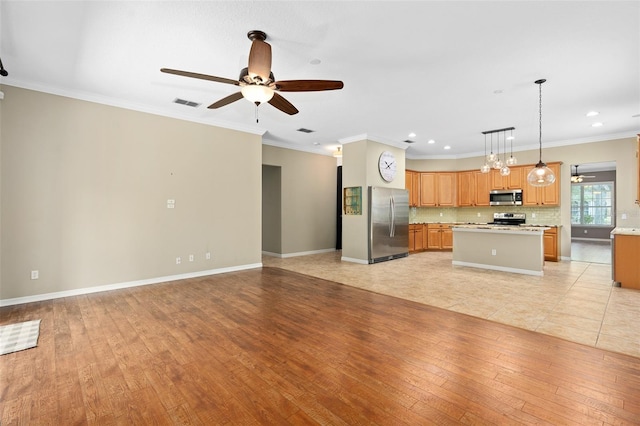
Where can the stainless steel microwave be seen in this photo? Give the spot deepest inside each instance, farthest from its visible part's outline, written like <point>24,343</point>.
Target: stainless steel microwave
<point>505,197</point>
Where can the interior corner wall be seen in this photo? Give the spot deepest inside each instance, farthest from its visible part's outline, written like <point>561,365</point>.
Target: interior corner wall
<point>308,199</point>
<point>271,209</point>
<point>360,169</point>
<point>85,190</point>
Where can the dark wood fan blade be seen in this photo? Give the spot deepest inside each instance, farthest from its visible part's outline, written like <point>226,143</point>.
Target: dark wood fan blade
<point>282,104</point>
<point>226,101</point>
<point>308,85</point>
<point>200,76</point>
<point>260,59</point>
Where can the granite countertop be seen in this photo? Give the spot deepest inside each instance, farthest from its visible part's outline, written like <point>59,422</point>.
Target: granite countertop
<point>521,228</point>
<point>625,231</point>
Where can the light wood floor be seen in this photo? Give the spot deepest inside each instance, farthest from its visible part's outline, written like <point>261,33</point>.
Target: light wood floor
<point>270,346</point>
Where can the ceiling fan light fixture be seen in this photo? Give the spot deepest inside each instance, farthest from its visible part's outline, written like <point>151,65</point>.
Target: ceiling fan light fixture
<point>257,93</point>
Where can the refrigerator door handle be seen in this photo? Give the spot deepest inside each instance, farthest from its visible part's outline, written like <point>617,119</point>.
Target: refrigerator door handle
<point>392,224</point>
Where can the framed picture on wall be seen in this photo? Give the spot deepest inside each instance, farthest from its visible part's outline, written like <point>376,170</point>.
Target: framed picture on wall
<point>353,200</point>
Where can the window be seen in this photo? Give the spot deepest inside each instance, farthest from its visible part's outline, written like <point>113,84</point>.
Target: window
<point>592,204</point>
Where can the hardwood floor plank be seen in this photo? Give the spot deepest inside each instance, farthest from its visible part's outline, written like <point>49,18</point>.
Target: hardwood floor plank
<point>275,347</point>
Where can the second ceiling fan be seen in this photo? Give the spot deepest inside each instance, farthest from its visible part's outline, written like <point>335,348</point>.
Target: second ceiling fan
<point>576,178</point>
<point>257,83</point>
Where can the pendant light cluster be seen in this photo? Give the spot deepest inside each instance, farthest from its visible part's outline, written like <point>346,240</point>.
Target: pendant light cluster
<point>493,161</point>
<point>541,175</point>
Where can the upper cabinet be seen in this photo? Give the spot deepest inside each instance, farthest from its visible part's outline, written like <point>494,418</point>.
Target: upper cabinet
<point>473,188</point>
<point>412,184</point>
<point>466,189</point>
<point>541,196</point>
<point>438,189</point>
<point>514,180</point>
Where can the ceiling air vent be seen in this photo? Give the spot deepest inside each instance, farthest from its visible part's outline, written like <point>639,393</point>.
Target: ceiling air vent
<point>303,130</point>
<point>409,141</point>
<point>185,102</point>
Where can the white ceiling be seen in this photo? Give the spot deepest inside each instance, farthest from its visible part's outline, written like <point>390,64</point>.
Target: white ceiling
<point>444,70</point>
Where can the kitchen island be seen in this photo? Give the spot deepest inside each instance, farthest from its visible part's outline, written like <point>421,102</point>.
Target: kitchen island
<point>518,249</point>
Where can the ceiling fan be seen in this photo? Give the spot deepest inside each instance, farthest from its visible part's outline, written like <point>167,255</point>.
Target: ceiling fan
<point>257,83</point>
<point>576,178</point>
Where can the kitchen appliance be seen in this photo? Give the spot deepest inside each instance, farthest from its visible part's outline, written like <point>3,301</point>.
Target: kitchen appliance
<point>515,219</point>
<point>505,197</point>
<point>388,223</point>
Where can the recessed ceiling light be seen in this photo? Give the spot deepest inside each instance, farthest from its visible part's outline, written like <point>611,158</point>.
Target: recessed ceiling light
<point>431,141</point>
<point>592,113</point>
<point>447,147</point>
<point>596,124</point>
<point>497,91</point>
<point>412,135</point>
<point>316,143</point>
<point>315,61</point>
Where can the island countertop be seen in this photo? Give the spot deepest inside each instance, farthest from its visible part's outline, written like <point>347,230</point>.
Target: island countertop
<point>500,228</point>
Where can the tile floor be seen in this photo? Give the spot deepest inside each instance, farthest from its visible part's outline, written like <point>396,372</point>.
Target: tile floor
<point>573,300</point>
<point>591,251</point>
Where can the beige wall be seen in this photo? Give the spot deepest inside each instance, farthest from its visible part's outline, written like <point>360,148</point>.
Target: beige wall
<point>85,189</point>
<point>622,151</point>
<point>308,185</point>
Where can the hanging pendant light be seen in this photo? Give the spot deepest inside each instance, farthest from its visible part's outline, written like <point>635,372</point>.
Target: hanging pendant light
<point>497,164</point>
<point>485,167</point>
<point>512,161</point>
<point>541,175</point>
<point>504,170</point>
<point>491,157</point>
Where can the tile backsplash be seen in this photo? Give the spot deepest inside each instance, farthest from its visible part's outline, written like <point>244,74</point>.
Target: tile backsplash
<point>535,215</point>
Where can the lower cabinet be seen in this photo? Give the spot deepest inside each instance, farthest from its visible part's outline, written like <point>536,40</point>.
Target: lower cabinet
<point>625,260</point>
<point>551,243</point>
<point>416,237</point>
<point>439,236</point>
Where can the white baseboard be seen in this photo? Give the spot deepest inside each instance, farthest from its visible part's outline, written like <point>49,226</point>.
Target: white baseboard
<point>589,239</point>
<point>499,268</point>
<point>300,253</point>
<point>129,284</point>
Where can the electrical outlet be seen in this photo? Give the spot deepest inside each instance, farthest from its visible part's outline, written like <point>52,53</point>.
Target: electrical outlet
<point>35,275</point>
<point>178,260</point>
<point>207,256</point>
<point>190,258</point>
<point>171,204</point>
<point>440,214</point>
<point>479,214</point>
<point>533,215</point>
<point>493,252</point>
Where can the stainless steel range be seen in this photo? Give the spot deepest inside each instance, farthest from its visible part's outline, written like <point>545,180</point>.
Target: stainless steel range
<point>515,219</point>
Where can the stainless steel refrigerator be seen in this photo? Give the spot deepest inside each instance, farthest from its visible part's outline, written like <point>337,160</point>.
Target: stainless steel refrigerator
<point>388,224</point>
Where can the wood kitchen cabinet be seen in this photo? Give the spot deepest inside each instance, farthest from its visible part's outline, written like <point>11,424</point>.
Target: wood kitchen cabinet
<point>473,188</point>
<point>439,236</point>
<point>412,184</point>
<point>625,260</point>
<point>416,237</point>
<point>466,189</point>
<point>541,196</point>
<point>513,180</point>
<point>482,185</point>
<point>551,240</point>
<point>438,189</point>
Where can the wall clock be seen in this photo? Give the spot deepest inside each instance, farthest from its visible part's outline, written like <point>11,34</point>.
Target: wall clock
<point>387,166</point>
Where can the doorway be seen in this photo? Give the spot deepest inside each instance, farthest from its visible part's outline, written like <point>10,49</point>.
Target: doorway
<point>593,200</point>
